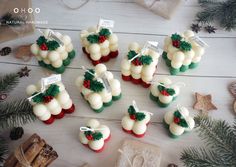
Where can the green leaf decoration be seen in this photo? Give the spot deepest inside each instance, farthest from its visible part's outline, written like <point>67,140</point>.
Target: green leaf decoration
<point>93,38</point>
<point>176,37</point>
<point>182,122</point>
<point>88,132</point>
<point>97,136</point>
<point>131,54</point>
<point>41,40</point>
<point>170,91</point>
<point>96,86</point>
<point>52,45</point>
<point>131,110</point>
<point>38,98</point>
<point>145,60</point>
<point>105,32</point>
<point>88,76</point>
<point>185,46</point>
<point>140,116</point>
<point>160,87</point>
<point>177,114</point>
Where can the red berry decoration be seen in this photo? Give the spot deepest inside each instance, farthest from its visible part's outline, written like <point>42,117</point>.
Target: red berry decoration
<point>43,47</point>
<point>132,117</point>
<point>47,99</point>
<point>102,39</point>
<point>86,84</point>
<point>176,44</point>
<point>136,62</point>
<point>176,120</point>
<point>89,137</point>
<point>165,93</point>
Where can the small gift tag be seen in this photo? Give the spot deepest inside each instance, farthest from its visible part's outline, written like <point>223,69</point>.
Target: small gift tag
<point>106,82</point>
<point>135,106</point>
<point>51,35</point>
<point>199,41</point>
<point>106,23</point>
<point>50,80</point>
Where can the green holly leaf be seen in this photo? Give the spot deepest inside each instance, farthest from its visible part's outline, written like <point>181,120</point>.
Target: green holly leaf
<point>93,38</point>
<point>177,114</point>
<point>52,45</point>
<point>131,54</point>
<point>53,90</point>
<point>96,86</point>
<point>140,116</point>
<point>131,110</point>
<point>88,76</point>
<point>185,46</point>
<point>146,60</point>
<point>41,40</point>
<point>176,37</point>
<point>105,32</point>
<point>97,135</point>
<point>183,123</point>
<point>38,98</point>
<point>170,91</point>
<point>160,87</point>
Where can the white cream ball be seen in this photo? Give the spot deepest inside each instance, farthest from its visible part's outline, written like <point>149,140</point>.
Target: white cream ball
<point>105,131</point>
<point>67,105</point>
<point>116,92</point>
<point>104,45</point>
<point>184,111</point>
<point>178,56</point>
<point>134,46</point>
<point>136,76</point>
<point>136,69</point>
<point>40,110</point>
<point>114,47</point>
<point>147,78</point>
<point>61,86</point>
<point>46,61</point>
<point>169,116</point>
<point>63,97</point>
<point>79,81</point>
<point>96,144</point>
<point>31,89</point>
<point>63,55</point>
<point>176,65</point>
<point>94,49</point>
<point>55,111</point>
<point>147,118</point>
<point>69,47</point>
<point>60,49</point>
<point>177,90</point>
<point>125,72</point>
<point>96,56</point>
<point>113,39</point>
<point>127,123</point>
<point>96,106</point>
<point>95,99</point>
<point>57,63</point>
<point>176,129</point>
<point>100,68</point>
<point>165,81</point>
<point>86,92</point>
<point>172,49</point>
<point>189,54</point>
<point>93,123</point>
<point>153,54</point>
<point>186,62</point>
<point>188,33</point>
<point>45,116</point>
<point>155,92</point>
<point>148,70</point>
<point>82,138</point>
<point>53,56</point>
<point>106,96</point>
<point>125,64</point>
<point>109,75</point>
<point>34,49</point>
<point>165,99</point>
<point>46,32</point>
<point>105,52</point>
<point>66,39</point>
<point>199,51</point>
<point>53,104</point>
<point>115,84</point>
<point>43,53</point>
<point>139,128</point>
<point>197,59</point>
<point>191,123</point>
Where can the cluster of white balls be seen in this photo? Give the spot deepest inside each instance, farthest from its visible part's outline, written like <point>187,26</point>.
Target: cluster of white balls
<point>174,128</point>
<point>97,50</point>
<point>168,83</point>
<point>95,144</point>
<point>96,99</point>
<point>54,107</point>
<point>145,72</point>
<point>178,57</point>
<point>137,127</point>
<point>55,57</point>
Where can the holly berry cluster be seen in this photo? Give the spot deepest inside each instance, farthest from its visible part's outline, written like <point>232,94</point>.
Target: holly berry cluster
<point>91,135</point>
<point>48,95</point>
<point>91,83</point>
<point>179,120</point>
<point>178,42</point>
<point>45,44</point>
<point>165,91</point>
<point>135,115</point>
<point>140,60</point>
<point>103,34</point>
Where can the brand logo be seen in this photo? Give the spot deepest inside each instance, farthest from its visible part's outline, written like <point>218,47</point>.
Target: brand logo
<point>26,10</point>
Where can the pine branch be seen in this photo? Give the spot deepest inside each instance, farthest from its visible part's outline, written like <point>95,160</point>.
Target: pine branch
<point>15,113</point>
<point>3,149</point>
<point>220,150</point>
<point>8,82</point>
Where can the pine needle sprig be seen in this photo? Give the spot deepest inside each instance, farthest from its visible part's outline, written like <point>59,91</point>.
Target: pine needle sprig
<point>16,113</point>
<point>8,82</point>
<point>3,149</point>
<point>220,150</point>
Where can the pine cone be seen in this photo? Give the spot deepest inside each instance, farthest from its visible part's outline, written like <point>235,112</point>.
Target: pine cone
<point>5,51</point>
<point>16,133</point>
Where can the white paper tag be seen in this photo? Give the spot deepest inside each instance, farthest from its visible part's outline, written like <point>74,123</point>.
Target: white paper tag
<point>50,80</point>
<point>51,35</point>
<point>199,41</point>
<point>135,106</point>
<point>106,23</point>
<point>106,82</point>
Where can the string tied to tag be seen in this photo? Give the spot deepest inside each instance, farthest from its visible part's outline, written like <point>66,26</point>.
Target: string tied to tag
<point>85,129</point>
<point>137,109</point>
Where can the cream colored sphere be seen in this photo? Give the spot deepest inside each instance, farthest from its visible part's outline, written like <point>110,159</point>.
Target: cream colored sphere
<point>188,33</point>
<point>134,46</point>
<point>100,68</point>
<point>139,128</point>
<point>105,131</point>
<point>94,99</point>
<point>165,99</point>
<point>127,123</point>
<point>176,129</point>
<point>82,138</point>
<point>31,89</point>
<point>178,56</point>
<point>63,55</point>
<point>93,123</point>
<point>94,48</point>
<point>66,39</point>
<point>57,63</point>
<point>113,39</point>
<point>39,110</point>
<point>79,81</point>
<point>53,56</point>
<point>34,49</point>
<point>96,144</point>
<point>45,116</point>
<point>43,53</point>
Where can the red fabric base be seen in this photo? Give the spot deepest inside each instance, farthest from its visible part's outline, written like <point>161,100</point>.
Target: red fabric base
<point>103,58</point>
<point>70,110</point>
<point>134,134</point>
<point>60,115</point>
<point>49,121</point>
<point>136,81</point>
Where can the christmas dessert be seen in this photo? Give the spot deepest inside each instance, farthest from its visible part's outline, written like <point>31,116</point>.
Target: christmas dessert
<point>52,103</point>
<point>178,122</point>
<point>139,65</point>
<point>99,44</point>
<point>164,92</point>
<point>53,50</point>
<point>33,152</point>
<point>99,88</point>
<point>135,122</point>
<point>182,51</point>
<point>94,135</point>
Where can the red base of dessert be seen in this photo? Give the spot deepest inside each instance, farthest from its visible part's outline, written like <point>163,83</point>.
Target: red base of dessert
<point>136,81</point>
<point>103,58</point>
<point>131,132</point>
<point>60,115</point>
<point>101,149</point>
